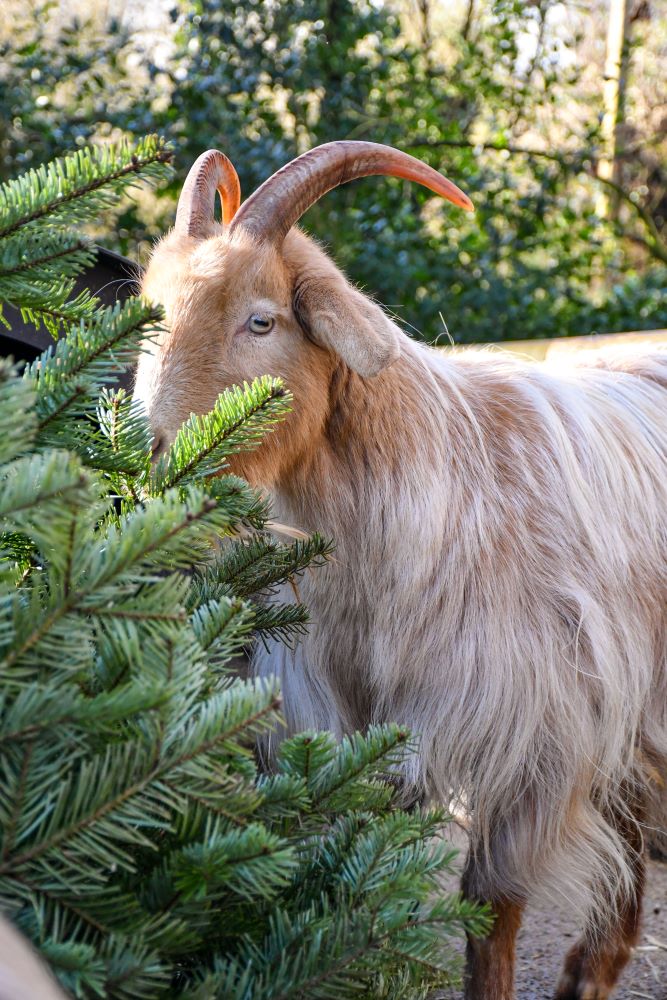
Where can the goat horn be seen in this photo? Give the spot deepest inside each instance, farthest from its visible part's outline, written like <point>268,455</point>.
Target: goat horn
<point>211,172</point>
<point>280,202</point>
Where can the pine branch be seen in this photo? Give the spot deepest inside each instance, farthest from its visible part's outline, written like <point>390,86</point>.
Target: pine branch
<point>250,862</point>
<point>316,956</point>
<point>88,358</point>
<point>123,444</point>
<point>104,790</point>
<point>17,418</point>
<point>36,276</point>
<point>51,256</point>
<point>281,797</point>
<point>246,507</point>
<point>47,303</point>
<point>359,756</point>
<point>281,622</point>
<point>36,710</point>
<point>72,189</point>
<point>263,564</point>
<point>222,627</point>
<point>31,484</point>
<point>44,256</point>
<point>237,422</point>
<point>164,535</point>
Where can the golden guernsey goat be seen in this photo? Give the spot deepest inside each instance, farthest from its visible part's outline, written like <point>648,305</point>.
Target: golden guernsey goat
<point>500,581</point>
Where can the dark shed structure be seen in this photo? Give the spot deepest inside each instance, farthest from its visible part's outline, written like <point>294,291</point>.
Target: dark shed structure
<point>111,278</point>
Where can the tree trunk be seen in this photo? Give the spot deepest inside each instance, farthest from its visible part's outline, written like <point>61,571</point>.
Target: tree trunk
<point>614,90</point>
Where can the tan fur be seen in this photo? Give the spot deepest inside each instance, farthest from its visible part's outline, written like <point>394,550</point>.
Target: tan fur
<point>23,976</point>
<point>500,581</point>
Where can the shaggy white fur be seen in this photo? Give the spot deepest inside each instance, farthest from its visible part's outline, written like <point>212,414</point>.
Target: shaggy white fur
<point>502,591</point>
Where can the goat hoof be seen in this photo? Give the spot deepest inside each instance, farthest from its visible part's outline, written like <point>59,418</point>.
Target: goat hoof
<point>587,989</point>
<point>590,976</point>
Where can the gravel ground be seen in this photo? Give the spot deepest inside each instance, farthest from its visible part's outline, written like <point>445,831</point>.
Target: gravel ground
<point>546,936</point>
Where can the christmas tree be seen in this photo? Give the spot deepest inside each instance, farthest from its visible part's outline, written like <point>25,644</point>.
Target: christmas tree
<point>144,851</point>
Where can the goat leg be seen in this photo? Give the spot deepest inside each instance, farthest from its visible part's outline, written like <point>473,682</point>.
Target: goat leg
<point>490,960</point>
<point>593,965</point>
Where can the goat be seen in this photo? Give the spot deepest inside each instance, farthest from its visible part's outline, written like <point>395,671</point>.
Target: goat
<point>500,580</point>
<point>23,976</point>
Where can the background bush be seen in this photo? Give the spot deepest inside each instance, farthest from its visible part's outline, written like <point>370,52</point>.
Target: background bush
<point>504,96</point>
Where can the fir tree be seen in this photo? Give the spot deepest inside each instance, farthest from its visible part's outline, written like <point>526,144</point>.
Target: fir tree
<point>142,849</point>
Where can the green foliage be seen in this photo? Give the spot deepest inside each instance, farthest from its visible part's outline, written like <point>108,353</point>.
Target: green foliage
<point>237,422</point>
<point>142,848</point>
<point>519,132</point>
<point>72,189</point>
<point>38,265</point>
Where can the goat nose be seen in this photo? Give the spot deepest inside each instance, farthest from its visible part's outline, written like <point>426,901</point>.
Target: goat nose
<point>158,447</point>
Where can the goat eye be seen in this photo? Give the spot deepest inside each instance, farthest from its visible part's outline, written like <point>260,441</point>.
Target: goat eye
<point>260,323</point>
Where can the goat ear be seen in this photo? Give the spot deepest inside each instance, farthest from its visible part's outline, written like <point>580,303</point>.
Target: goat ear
<point>337,316</point>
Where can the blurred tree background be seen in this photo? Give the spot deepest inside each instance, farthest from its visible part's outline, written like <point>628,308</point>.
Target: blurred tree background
<point>503,96</point>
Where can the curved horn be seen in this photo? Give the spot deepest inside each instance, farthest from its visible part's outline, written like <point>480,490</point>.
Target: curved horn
<point>274,208</point>
<point>211,172</point>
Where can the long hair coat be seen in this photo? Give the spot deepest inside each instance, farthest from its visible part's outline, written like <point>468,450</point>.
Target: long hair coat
<point>500,587</point>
